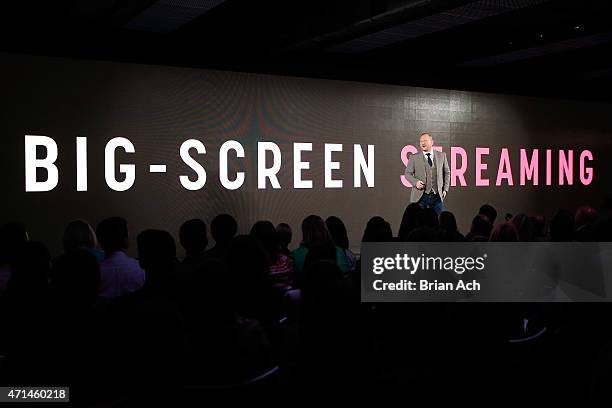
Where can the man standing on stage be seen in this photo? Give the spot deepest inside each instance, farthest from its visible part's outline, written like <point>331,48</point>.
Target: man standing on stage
<point>429,174</point>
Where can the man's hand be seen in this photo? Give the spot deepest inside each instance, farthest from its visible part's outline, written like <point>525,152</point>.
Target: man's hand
<point>420,185</point>
<point>443,195</point>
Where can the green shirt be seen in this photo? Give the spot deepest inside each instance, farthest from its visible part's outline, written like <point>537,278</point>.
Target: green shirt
<point>299,255</point>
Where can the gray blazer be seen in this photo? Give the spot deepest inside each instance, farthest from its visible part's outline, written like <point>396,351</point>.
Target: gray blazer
<point>416,171</point>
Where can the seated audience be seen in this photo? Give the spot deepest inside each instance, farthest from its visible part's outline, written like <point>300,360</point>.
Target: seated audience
<point>119,273</point>
<point>480,229</point>
<point>448,228</point>
<point>193,239</point>
<point>410,220</point>
<point>281,266</point>
<point>378,230</point>
<point>505,232</point>
<point>339,235</point>
<point>284,236</point>
<point>223,228</point>
<point>315,232</point>
<point>80,234</point>
<point>490,212</point>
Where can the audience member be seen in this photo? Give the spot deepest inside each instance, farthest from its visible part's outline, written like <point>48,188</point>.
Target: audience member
<point>284,237</point>
<point>80,234</point>
<point>281,266</point>
<point>315,232</point>
<point>339,235</point>
<point>378,230</point>
<point>119,273</point>
<point>223,228</point>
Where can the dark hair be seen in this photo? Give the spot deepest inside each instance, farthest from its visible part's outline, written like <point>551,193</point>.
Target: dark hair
<point>113,234</point>
<point>284,234</point>
<point>192,235</point>
<point>481,226</point>
<point>377,230</point>
<point>79,234</point>
<point>488,211</point>
<point>505,232</point>
<point>539,225</point>
<point>314,231</point>
<point>337,230</point>
<point>409,221</point>
<point>448,221</point>
<point>265,232</point>
<point>223,228</point>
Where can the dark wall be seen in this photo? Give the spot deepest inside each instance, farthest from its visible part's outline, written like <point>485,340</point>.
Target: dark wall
<point>157,108</point>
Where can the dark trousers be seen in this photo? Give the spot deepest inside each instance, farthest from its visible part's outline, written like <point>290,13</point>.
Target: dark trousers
<point>431,200</point>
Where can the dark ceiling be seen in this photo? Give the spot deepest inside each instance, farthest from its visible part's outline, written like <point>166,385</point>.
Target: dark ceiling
<point>557,48</point>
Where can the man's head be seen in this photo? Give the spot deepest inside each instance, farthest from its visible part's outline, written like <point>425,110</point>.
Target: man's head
<point>426,142</point>
<point>156,251</point>
<point>223,228</point>
<point>113,234</point>
<point>193,236</point>
<point>489,211</point>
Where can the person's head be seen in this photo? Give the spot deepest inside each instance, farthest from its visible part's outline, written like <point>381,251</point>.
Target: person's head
<point>265,232</point>
<point>488,211</point>
<point>377,230</point>
<point>75,278</point>
<point>284,234</point>
<point>561,227</point>
<point>481,226</point>
<point>426,142</point>
<point>314,231</point>
<point>448,221</point>
<point>12,236</point>
<point>193,237</point>
<point>113,234</point>
<point>223,228</point>
<point>585,215</point>
<point>539,225</point>
<point>337,230</point>
<point>409,221</point>
<point>79,234</point>
<point>156,252</point>
<point>505,232</point>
